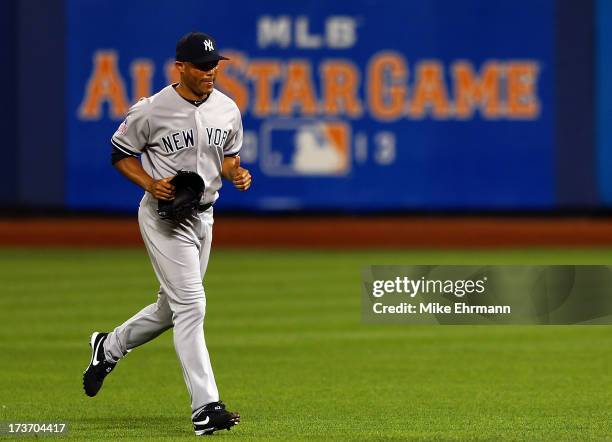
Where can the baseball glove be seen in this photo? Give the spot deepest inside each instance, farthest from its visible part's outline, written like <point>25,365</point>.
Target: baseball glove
<point>189,189</point>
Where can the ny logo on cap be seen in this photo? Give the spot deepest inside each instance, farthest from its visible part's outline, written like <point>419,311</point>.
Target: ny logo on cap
<point>208,45</point>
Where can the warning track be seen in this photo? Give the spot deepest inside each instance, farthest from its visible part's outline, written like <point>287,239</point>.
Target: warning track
<point>394,232</point>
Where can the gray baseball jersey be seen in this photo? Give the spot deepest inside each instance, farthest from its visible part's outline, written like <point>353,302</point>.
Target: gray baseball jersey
<point>172,134</point>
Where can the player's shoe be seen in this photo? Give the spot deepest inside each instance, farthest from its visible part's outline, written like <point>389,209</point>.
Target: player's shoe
<point>214,417</point>
<point>98,368</point>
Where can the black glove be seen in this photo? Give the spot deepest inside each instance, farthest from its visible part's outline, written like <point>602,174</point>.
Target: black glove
<point>189,187</point>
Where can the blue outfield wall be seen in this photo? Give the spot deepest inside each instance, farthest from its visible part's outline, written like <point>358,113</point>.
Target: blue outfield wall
<point>355,105</point>
<point>575,153</point>
<point>8,120</point>
<point>40,88</point>
<point>603,50</point>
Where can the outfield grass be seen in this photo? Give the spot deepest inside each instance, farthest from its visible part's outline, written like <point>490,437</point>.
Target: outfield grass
<point>291,355</point>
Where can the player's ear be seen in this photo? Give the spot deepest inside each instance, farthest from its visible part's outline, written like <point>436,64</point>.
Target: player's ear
<point>180,66</point>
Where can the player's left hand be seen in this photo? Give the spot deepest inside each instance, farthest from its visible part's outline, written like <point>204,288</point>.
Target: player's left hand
<point>241,177</point>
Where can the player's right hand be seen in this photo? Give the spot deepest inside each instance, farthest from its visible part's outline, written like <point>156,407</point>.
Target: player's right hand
<point>162,189</point>
<point>241,177</point>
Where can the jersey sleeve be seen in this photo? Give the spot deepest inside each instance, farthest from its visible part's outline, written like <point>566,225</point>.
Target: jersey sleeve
<point>133,134</point>
<point>234,142</point>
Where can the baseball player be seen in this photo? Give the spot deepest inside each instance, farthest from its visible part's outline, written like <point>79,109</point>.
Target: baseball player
<point>185,126</point>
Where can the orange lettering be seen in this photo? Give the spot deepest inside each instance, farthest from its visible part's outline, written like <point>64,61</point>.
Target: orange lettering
<point>387,76</point>
<point>522,101</point>
<point>172,74</point>
<point>340,84</point>
<point>430,91</point>
<point>297,89</point>
<point>263,72</point>
<point>142,73</point>
<point>105,84</point>
<point>228,83</point>
<point>472,92</point>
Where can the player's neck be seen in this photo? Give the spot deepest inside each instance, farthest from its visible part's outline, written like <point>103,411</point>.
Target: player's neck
<point>188,94</point>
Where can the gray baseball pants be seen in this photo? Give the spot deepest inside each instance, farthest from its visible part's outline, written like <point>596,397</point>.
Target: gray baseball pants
<point>179,254</point>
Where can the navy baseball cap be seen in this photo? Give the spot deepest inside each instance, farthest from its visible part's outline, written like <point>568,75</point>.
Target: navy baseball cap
<point>197,47</point>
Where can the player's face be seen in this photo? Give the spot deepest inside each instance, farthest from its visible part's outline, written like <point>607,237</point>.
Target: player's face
<point>200,78</point>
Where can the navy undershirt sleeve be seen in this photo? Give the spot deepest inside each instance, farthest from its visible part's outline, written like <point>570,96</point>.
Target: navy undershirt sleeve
<point>117,155</point>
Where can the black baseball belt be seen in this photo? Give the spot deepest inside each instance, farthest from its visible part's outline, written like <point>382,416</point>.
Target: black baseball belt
<point>204,207</point>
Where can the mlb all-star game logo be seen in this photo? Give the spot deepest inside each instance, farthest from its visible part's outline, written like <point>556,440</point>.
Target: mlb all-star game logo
<point>305,147</point>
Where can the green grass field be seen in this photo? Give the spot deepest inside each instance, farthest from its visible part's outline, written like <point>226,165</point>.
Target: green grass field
<point>291,354</point>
